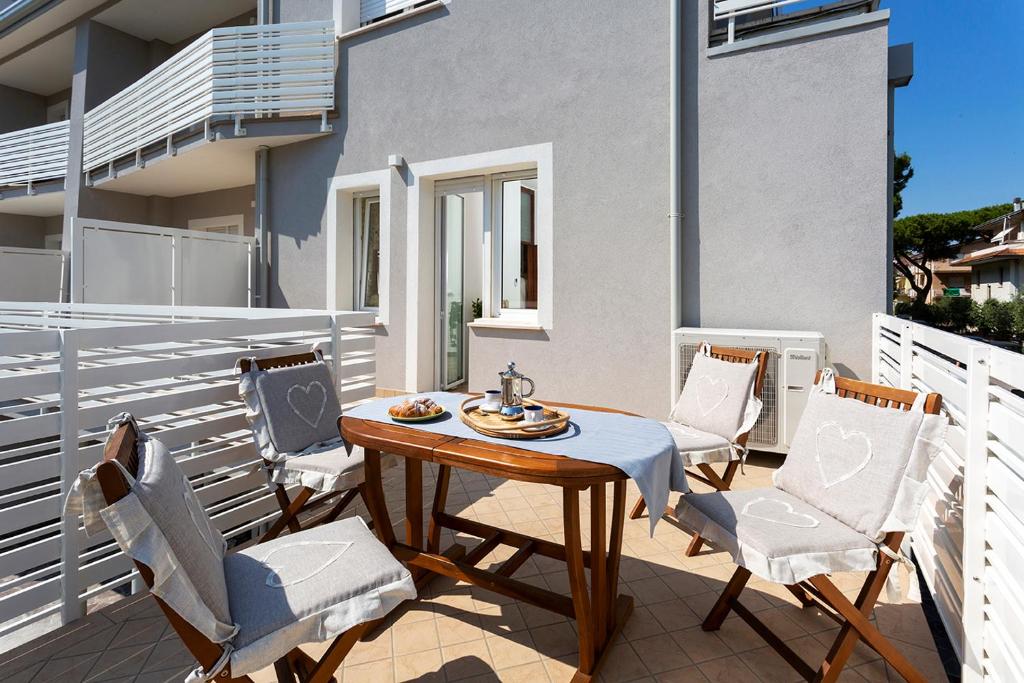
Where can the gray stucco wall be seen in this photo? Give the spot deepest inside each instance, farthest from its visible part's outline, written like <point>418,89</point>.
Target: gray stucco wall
<point>20,109</point>
<point>22,231</point>
<point>786,194</point>
<point>589,77</point>
<point>237,200</point>
<point>784,180</point>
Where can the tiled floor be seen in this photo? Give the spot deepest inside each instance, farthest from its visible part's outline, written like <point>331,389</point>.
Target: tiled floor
<point>456,632</point>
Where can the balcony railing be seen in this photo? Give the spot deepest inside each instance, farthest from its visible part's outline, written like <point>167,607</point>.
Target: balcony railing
<point>237,71</point>
<point>34,154</point>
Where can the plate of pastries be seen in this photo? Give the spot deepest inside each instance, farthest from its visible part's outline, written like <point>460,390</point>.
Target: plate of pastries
<point>416,410</point>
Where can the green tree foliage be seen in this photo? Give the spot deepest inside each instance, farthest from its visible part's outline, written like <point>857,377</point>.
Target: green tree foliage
<point>994,318</point>
<point>930,236</point>
<point>902,172</point>
<point>954,313</point>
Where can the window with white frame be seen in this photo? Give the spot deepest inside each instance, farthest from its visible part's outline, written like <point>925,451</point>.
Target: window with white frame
<point>515,257</point>
<point>366,243</point>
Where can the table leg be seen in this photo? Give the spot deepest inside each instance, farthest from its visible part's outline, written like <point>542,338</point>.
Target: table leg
<point>578,579</point>
<point>374,488</point>
<point>444,474</point>
<point>600,591</point>
<point>414,503</point>
<point>615,550</point>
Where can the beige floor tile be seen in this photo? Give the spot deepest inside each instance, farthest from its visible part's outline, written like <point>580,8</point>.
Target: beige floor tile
<point>415,637</point>
<point>700,645</point>
<point>622,664</point>
<point>370,650</point>
<point>641,624</point>
<point>689,674</point>
<point>512,649</point>
<point>727,670</point>
<point>466,660</point>
<point>458,629</point>
<point>534,672</point>
<point>660,653</point>
<point>370,672</point>
<point>651,591</point>
<point>421,666</point>
<point>556,640</point>
<point>674,615</point>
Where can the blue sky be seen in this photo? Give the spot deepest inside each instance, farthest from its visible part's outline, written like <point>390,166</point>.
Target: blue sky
<point>962,116</point>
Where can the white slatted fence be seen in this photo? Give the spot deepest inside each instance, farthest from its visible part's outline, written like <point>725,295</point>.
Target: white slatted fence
<point>65,369</point>
<point>970,537</point>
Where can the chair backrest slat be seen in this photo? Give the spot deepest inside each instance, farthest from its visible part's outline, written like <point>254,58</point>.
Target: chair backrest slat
<point>279,361</point>
<point>881,395</point>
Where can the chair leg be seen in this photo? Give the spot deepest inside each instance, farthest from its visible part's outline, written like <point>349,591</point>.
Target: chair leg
<point>638,509</point>
<point>444,474</point>
<point>713,621</point>
<point>289,512</point>
<point>721,484</point>
<point>801,595</point>
<point>340,506</point>
<point>858,627</point>
<point>366,503</point>
<point>324,670</point>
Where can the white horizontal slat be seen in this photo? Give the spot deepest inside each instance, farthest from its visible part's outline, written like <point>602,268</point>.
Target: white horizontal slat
<point>32,154</point>
<point>373,9</point>
<point>239,70</point>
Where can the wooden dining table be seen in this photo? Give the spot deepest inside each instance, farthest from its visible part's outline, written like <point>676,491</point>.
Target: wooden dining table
<point>599,610</point>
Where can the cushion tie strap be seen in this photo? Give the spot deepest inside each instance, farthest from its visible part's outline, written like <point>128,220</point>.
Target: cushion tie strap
<point>198,675</point>
<point>827,383</point>
<point>893,588</point>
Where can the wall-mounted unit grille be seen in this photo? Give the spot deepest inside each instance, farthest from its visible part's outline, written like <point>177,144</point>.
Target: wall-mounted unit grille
<point>793,359</point>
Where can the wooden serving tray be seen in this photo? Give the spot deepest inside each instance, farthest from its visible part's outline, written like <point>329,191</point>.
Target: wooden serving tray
<point>493,424</point>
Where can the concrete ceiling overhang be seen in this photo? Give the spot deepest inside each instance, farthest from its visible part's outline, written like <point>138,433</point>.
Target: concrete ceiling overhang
<point>42,204</point>
<point>38,56</point>
<point>213,166</point>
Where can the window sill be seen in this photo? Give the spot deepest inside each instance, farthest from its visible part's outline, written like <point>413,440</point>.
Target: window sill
<point>392,20</point>
<point>506,324</point>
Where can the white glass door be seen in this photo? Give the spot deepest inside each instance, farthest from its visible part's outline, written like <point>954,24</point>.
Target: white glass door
<point>459,211</point>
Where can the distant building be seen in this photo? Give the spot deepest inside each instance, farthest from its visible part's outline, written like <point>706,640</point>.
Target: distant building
<point>996,262</point>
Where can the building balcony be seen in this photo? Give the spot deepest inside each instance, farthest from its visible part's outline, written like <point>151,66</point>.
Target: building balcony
<point>33,162</point>
<point>231,84</point>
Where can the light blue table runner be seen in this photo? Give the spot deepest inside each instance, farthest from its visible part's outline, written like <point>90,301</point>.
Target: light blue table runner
<point>640,447</point>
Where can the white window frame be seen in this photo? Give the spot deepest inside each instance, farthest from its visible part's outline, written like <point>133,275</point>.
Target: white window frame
<point>235,221</point>
<point>492,287</point>
<point>359,250</point>
<point>419,254</point>
<point>343,192</point>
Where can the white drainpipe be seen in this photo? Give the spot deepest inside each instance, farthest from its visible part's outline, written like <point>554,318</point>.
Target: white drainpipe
<point>675,215</point>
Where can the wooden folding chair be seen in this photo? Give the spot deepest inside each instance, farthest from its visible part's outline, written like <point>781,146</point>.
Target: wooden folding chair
<point>122,447</point>
<point>853,617</point>
<point>306,500</point>
<point>707,473</point>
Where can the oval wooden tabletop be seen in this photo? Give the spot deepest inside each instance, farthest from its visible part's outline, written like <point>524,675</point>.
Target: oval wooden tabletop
<point>511,461</point>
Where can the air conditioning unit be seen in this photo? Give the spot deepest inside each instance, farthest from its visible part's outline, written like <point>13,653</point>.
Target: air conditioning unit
<point>793,360</point>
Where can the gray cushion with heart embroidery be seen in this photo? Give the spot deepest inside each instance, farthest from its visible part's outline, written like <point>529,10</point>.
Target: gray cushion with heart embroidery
<point>300,405</point>
<point>848,459</point>
<point>715,395</point>
<point>775,535</point>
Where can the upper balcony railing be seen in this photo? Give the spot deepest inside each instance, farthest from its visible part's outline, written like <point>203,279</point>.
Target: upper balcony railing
<point>237,71</point>
<point>747,15</point>
<point>34,154</point>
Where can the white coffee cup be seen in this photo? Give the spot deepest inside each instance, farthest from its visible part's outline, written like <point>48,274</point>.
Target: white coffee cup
<point>533,413</point>
<point>492,400</point>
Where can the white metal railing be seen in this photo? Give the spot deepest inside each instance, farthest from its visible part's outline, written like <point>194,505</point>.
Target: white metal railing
<point>65,369</point>
<point>234,71</point>
<point>730,9</point>
<point>969,541</point>
<point>160,266</point>
<point>32,154</point>
<point>33,274</point>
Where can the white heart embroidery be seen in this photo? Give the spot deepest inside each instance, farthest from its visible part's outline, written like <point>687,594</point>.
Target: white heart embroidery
<point>711,393</point>
<point>840,454</point>
<point>307,402</point>
<point>308,555</point>
<point>778,512</point>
